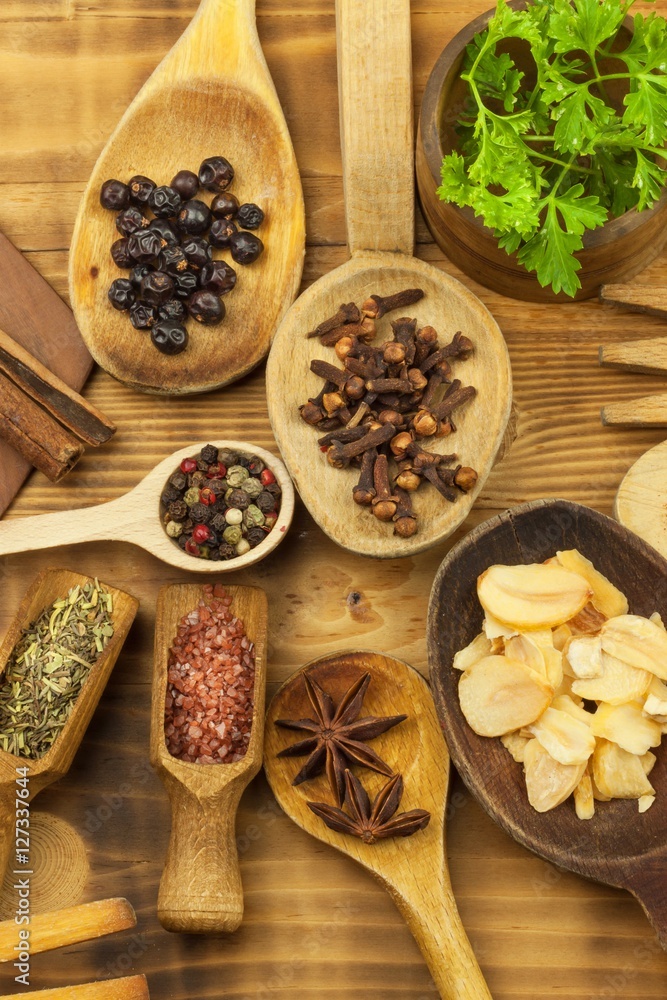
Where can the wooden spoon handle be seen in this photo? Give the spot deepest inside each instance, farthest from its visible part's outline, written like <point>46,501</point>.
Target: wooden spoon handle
<point>441,936</point>
<point>647,884</point>
<point>201,891</point>
<point>375,91</point>
<point>67,527</point>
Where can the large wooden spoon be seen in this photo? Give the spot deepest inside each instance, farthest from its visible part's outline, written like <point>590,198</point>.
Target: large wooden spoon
<point>617,846</point>
<point>212,94</point>
<point>50,586</point>
<point>201,889</point>
<point>413,870</point>
<point>378,162</point>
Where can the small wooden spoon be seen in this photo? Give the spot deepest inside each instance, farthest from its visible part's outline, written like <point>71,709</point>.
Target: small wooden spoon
<point>201,891</point>
<point>49,586</point>
<point>618,846</point>
<point>414,869</point>
<point>378,166</point>
<point>135,518</point>
<point>212,94</point>
<point>641,501</point>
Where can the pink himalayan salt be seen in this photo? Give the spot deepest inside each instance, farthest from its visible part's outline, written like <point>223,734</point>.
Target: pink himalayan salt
<point>210,684</point>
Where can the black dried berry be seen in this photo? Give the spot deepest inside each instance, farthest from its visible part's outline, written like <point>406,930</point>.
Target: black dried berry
<point>169,495</point>
<point>144,246</point>
<point>165,202</point>
<point>245,247</point>
<point>142,316</point>
<point>173,260</point>
<point>186,183</point>
<point>165,231</point>
<point>242,460</point>
<point>255,537</point>
<point>250,216</point>
<point>218,522</point>
<point>206,308</point>
<point>169,337</point>
<point>200,513</point>
<point>120,253</point>
<point>178,510</point>
<point>179,480</point>
<point>266,502</point>
<point>183,539</point>
<point>130,220</point>
<point>138,273</point>
<point>197,250</point>
<point>195,217</point>
<point>256,466</point>
<point>141,188</point>
<point>221,233</point>
<point>225,206</point>
<point>173,309</point>
<point>216,173</point>
<point>227,551</point>
<point>122,294</point>
<point>209,454</point>
<point>156,288</point>
<point>218,277</point>
<point>114,195</point>
<point>274,489</point>
<point>185,284</point>
<point>239,499</point>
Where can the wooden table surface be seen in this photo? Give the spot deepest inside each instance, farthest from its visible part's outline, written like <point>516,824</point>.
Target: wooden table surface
<point>316,927</point>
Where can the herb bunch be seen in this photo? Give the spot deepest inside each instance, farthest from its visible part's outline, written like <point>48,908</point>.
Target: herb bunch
<point>542,166</point>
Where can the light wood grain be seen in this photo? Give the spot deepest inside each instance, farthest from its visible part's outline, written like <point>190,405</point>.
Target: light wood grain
<point>641,501</point>
<point>647,411</point>
<point>201,890</point>
<point>60,928</point>
<point>136,518</point>
<point>211,94</point>
<point>130,988</point>
<point>411,869</point>
<point>638,297</point>
<point>645,356</point>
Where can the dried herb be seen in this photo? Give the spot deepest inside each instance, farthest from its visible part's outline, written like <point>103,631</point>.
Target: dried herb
<point>372,822</point>
<point>338,737</point>
<point>49,666</point>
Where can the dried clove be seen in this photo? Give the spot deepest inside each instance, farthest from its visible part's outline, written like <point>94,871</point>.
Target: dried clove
<point>384,502</point>
<point>339,455</point>
<point>377,305</point>
<point>405,522</point>
<point>364,492</point>
<point>348,312</point>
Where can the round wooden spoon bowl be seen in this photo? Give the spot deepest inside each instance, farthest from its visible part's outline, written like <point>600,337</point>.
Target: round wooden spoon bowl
<point>617,846</point>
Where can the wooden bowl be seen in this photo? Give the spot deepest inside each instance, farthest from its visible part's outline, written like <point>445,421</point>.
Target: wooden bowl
<point>617,846</point>
<point>615,252</point>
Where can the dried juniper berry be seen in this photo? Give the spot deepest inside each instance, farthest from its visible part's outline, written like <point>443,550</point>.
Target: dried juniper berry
<point>245,247</point>
<point>156,288</point>
<point>173,260</point>
<point>130,220</point>
<point>144,246</point>
<point>138,273</point>
<point>221,232</point>
<point>250,216</point>
<point>142,316</point>
<point>120,253</point>
<point>197,250</point>
<point>218,277</point>
<point>173,309</point>
<point>141,188</point>
<point>206,308</point>
<point>224,206</point>
<point>114,195</point>
<point>186,183</point>
<point>165,231</point>
<point>122,294</point>
<point>194,217</point>
<point>165,202</point>
<point>185,284</point>
<point>216,173</point>
<point>169,337</point>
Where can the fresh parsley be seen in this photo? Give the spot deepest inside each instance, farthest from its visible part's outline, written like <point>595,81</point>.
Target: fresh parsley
<point>544,163</point>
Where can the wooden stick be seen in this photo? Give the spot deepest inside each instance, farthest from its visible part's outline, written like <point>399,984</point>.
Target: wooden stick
<point>68,407</point>
<point>129,988</point>
<point>648,356</point>
<point>647,411</point>
<point>649,299</point>
<point>35,433</point>
<point>64,927</point>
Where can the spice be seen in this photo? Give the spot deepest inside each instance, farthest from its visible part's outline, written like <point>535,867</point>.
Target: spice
<point>219,505</point>
<point>210,684</point>
<point>379,401</point>
<point>372,822</point>
<point>49,666</point>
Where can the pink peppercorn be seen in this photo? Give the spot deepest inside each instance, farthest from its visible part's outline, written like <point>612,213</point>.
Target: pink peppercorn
<point>217,471</point>
<point>267,477</point>
<point>201,534</point>
<point>207,496</point>
<point>191,547</point>
<point>188,465</point>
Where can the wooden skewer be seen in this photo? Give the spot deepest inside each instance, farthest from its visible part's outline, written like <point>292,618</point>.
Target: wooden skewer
<point>71,926</point>
<point>649,299</point>
<point>646,356</point>
<point>129,988</point>
<point>647,411</point>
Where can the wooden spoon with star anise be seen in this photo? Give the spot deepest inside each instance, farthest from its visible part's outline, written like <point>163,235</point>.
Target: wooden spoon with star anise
<point>384,805</point>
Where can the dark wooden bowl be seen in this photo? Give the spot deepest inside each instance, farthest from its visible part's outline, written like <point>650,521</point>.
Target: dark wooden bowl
<point>615,252</point>
<point>618,846</point>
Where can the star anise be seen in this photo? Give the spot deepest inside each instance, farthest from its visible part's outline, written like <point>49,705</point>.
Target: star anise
<point>338,736</point>
<point>372,822</point>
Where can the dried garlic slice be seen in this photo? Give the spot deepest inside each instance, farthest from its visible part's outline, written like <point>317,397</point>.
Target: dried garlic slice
<point>656,618</point>
<point>560,635</point>
<point>648,761</point>
<point>619,683</point>
<point>627,726</point>
<point>583,654</point>
<point>516,745</point>
<point>619,774</point>
<point>499,695</point>
<point>522,647</point>
<point>494,629</point>
<point>645,802</point>
<point>607,598</point>
<point>474,651</point>
<point>637,641</point>
<point>548,782</point>
<point>566,703</point>
<point>656,699</point>
<point>584,800</point>
<point>533,596</point>
<point>569,740</point>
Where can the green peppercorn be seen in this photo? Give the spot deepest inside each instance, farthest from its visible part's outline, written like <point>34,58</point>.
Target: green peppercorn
<point>233,534</point>
<point>238,498</point>
<point>253,517</point>
<point>234,516</point>
<point>204,552</point>
<point>242,547</point>
<point>192,496</point>
<point>237,475</point>
<point>252,487</point>
<point>174,529</point>
<point>178,510</point>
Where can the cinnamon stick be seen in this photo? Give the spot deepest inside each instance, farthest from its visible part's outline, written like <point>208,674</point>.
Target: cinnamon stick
<point>35,433</point>
<point>55,396</point>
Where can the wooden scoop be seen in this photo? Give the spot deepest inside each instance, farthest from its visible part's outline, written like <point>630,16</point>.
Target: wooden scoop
<point>618,846</point>
<point>49,586</point>
<point>412,869</point>
<point>378,165</point>
<point>212,94</point>
<point>135,518</point>
<point>201,891</point>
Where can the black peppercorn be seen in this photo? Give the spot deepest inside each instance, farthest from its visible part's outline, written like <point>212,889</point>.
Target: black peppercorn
<point>250,216</point>
<point>138,273</point>
<point>218,277</point>
<point>256,466</point>
<point>266,502</point>
<point>221,233</point>
<point>141,188</point>
<point>169,336</point>
<point>255,537</point>
<point>178,510</point>
<point>185,284</point>
<point>197,250</point>
<point>114,195</point>
<point>156,288</point>
<point>200,513</point>
<point>182,539</point>
<point>194,217</point>
<point>206,308</point>
<point>242,460</point>
<point>144,246</point>
<point>274,489</point>
<point>130,220</point>
<point>245,247</point>
<point>213,550</point>
<point>142,316</point>
<point>165,202</point>
<point>198,479</point>
<point>165,231</point>
<point>179,480</point>
<point>122,294</point>
<point>209,454</point>
<point>218,523</point>
<point>239,499</point>
<point>227,551</point>
<point>188,525</point>
<point>216,173</point>
<point>217,487</point>
<point>170,495</point>
<point>186,183</point>
<point>120,253</point>
<point>173,260</point>
<point>173,309</point>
